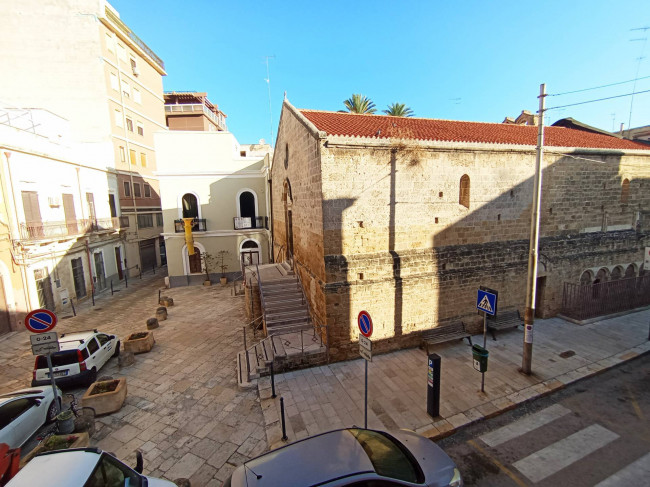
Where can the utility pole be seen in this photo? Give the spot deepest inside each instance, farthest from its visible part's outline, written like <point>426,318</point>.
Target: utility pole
<point>531,287</point>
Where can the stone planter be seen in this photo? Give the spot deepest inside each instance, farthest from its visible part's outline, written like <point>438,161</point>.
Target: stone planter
<point>223,280</point>
<point>166,301</point>
<point>207,283</point>
<point>152,323</point>
<point>105,402</point>
<point>82,441</point>
<point>135,343</point>
<point>161,313</point>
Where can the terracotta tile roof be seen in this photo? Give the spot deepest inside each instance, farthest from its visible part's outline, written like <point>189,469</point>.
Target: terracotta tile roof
<point>385,127</point>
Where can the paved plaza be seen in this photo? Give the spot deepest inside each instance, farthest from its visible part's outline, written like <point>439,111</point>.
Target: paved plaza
<point>184,410</point>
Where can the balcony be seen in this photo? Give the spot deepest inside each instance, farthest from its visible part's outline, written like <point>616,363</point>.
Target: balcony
<point>247,223</point>
<point>218,119</point>
<point>70,228</point>
<point>198,225</point>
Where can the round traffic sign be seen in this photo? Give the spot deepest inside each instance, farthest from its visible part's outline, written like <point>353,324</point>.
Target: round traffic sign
<point>365,323</point>
<point>40,320</point>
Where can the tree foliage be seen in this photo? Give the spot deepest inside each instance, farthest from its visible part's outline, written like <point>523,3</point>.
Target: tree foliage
<point>358,103</point>
<point>399,110</point>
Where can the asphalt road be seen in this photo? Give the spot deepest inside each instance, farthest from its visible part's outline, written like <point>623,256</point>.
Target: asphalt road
<point>594,432</point>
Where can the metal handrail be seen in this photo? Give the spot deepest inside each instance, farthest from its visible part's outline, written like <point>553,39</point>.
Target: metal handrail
<point>315,321</point>
<point>259,284</point>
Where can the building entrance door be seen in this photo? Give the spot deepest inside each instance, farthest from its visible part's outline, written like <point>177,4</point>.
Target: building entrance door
<point>100,284</point>
<point>44,289</point>
<point>78,277</point>
<point>118,262</point>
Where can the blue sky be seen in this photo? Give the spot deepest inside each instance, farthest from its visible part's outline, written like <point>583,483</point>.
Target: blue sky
<point>458,60</point>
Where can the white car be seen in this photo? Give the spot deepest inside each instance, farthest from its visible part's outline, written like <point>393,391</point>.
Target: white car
<point>82,467</point>
<point>23,412</point>
<point>81,355</point>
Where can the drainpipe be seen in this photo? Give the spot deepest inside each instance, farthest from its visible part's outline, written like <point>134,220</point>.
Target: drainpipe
<point>189,238</point>
<point>90,267</point>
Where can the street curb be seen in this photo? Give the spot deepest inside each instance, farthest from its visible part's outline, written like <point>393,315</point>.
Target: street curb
<point>515,405</point>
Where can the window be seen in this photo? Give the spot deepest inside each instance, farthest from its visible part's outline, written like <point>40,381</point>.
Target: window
<point>242,153</point>
<point>114,83</point>
<point>92,346</point>
<point>137,96</point>
<point>126,89</point>
<point>159,220</point>
<point>129,124</point>
<point>190,206</point>
<point>463,196</point>
<point>132,157</point>
<point>127,188</point>
<point>134,67</point>
<point>122,154</point>
<point>111,205</point>
<point>625,191</point>
<point>143,159</point>
<point>147,191</point>
<point>103,339</point>
<point>110,472</point>
<point>110,45</point>
<point>118,118</point>
<point>136,190</point>
<point>121,52</point>
<point>145,220</point>
<point>140,128</point>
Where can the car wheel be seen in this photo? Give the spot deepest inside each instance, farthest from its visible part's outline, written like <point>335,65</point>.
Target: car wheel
<point>117,350</point>
<point>92,377</point>
<point>52,411</point>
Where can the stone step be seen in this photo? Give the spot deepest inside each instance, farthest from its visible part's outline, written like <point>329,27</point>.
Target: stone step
<point>286,315</point>
<point>278,347</point>
<point>280,281</point>
<point>293,298</point>
<point>288,328</point>
<point>288,304</point>
<point>274,291</point>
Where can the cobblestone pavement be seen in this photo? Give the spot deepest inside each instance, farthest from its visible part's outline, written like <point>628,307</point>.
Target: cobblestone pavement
<point>183,409</point>
<point>332,396</point>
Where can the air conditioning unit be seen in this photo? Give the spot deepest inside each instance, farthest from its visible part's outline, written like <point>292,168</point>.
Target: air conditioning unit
<point>54,201</point>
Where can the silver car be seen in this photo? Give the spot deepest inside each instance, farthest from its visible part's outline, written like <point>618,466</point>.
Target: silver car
<point>352,457</point>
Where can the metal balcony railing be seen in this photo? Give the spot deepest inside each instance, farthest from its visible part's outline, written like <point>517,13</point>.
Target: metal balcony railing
<point>245,223</point>
<point>58,229</point>
<point>198,225</point>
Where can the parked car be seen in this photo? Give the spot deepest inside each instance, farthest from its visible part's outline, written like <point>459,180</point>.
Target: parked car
<point>81,355</point>
<point>82,467</point>
<point>352,457</point>
<point>23,412</point>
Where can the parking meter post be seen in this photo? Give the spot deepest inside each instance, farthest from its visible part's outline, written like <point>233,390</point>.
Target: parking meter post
<point>433,385</point>
<point>56,398</point>
<point>284,426</point>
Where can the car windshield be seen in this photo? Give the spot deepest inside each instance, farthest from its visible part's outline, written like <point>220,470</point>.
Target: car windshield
<point>59,359</point>
<point>387,457</point>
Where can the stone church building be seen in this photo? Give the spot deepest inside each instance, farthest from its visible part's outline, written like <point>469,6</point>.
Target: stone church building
<point>407,217</point>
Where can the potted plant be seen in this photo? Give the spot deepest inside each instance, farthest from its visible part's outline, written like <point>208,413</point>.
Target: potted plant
<point>105,396</point>
<point>207,259</point>
<point>139,342</point>
<point>221,258</point>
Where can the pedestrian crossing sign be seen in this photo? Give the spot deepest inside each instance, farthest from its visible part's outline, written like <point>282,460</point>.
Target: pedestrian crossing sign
<point>487,302</point>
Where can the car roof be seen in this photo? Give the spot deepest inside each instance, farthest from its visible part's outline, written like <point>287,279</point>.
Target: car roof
<point>30,392</point>
<point>306,461</point>
<point>69,341</point>
<point>57,469</point>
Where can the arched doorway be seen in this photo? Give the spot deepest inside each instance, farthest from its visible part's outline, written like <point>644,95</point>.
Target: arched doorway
<point>192,264</point>
<point>249,253</point>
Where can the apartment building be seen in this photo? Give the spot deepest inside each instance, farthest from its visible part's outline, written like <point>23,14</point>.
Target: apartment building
<point>191,110</point>
<point>83,63</point>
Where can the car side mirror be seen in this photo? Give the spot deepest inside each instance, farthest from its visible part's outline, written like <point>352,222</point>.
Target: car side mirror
<point>38,401</point>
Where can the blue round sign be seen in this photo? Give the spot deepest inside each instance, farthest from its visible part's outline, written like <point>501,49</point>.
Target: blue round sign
<point>40,320</point>
<point>365,324</point>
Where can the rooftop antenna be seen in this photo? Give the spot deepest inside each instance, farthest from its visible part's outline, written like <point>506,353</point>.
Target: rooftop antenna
<point>613,115</point>
<point>268,82</point>
<point>638,66</point>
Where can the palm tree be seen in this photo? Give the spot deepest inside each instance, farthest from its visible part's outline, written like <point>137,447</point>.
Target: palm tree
<point>359,104</point>
<point>399,110</point>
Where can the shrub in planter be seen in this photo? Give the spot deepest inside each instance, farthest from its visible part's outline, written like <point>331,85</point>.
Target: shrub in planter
<point>140,342</point>
<point>106,396</point>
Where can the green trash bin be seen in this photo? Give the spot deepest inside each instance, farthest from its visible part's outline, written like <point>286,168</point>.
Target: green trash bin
<point>480,356</point>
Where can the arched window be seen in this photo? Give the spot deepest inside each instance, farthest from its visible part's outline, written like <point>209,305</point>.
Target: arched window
<point>617,273</point>
<point>247,205</point>
<point>190,206</point>
<point>602,276</point>
<point>463,194</point>
<point>586,278</point>
<point>625,191</point>
<point>630,271</point>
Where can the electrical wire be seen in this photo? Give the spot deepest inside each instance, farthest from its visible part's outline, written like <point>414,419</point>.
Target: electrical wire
<point>594,101</point>
<point>598,87</point>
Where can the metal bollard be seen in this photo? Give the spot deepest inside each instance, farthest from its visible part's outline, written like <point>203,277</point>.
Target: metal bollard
<point>284,426</point>
<point>158,296</point>
<point>126,278</point>
<point>273,396</point>
<point>153,267</point>
<point>92,292</point>
<point>74,312</point>
<point>112,287</point>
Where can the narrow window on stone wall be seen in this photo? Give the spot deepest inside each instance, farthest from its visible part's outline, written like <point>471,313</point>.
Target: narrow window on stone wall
<point>286,156</point>
<point>625,191</point>
<point>463,197</point>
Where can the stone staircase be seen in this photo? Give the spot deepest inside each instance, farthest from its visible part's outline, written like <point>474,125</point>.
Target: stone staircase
<point>287,322</point>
